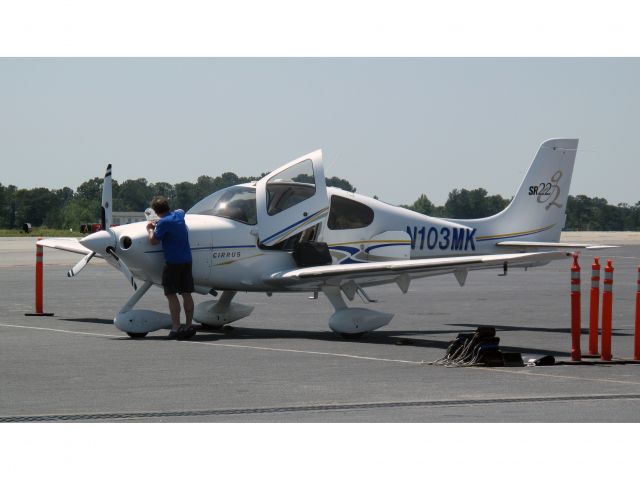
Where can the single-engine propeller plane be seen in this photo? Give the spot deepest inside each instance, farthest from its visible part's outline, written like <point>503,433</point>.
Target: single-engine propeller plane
<point>289,232</point>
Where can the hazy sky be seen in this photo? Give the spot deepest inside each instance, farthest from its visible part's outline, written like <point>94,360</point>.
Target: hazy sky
<point>393,127</point>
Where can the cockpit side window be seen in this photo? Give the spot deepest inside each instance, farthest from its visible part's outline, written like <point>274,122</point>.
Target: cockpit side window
<point>290,187</point>
<point>235,203</point>
<point>282,196</point>
<point>346,214</point>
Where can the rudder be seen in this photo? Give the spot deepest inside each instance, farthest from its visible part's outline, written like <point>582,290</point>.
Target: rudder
<point>537,211</point>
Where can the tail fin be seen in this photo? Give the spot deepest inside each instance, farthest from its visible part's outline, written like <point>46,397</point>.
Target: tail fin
<point>537,212</point>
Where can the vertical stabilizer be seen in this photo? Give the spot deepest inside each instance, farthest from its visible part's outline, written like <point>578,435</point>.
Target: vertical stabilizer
<point>537,212</point>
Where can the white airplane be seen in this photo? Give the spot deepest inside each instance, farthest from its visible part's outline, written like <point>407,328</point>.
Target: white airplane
<point>256,238</point>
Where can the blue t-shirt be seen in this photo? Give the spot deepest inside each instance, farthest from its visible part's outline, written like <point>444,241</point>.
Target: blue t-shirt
<point>172,232</point>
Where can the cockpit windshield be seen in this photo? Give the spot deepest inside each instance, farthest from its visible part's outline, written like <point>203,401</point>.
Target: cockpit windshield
<point>236,203</point>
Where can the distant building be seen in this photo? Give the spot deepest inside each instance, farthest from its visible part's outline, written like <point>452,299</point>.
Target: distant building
<point>123,218</point>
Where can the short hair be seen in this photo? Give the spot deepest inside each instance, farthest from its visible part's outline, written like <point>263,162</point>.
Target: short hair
<point>160,205</point>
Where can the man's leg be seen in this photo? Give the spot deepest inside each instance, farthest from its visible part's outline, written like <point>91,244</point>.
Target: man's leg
<point>186,287</point>
<point>174,309</point>
<point>187,301</point>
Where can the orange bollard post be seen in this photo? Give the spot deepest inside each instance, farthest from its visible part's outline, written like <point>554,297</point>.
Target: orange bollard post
<point>39,278</point>
<point>594,307</point>
<point>636,350</point>
<point>576,355</point>
<point>39,283</point>
<point>607,307</point>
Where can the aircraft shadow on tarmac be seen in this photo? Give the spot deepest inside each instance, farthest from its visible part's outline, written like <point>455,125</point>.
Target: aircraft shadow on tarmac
<point>394,337</point>
<point>510,328</point>
<point>101,321</point>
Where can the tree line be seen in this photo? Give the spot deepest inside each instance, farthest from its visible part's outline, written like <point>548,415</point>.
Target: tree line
<point>65,208</point>
<point>583,212</point>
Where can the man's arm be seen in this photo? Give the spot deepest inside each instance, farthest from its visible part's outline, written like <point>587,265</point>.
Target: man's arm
<point>151,226</point>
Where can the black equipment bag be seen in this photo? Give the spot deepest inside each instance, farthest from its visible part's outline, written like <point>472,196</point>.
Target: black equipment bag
<point>485,331</point>
<point>311,254</point>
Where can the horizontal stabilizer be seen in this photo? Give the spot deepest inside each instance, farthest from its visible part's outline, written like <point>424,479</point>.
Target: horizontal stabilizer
<point>570,246</point>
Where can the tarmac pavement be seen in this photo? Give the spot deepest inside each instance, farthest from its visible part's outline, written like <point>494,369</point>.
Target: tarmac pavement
<point>282,364</point>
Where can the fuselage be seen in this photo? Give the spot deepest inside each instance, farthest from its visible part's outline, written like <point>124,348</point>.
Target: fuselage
<point>227,254</point>
<point>281,232</point>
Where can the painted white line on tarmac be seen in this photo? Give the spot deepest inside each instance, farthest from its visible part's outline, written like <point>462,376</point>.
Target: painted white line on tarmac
<point>309,352</point>
<point>618,256</point>
<point>548,375</point>
<point>61,331</point>
<point>343,355</point>
<point>230,345</point>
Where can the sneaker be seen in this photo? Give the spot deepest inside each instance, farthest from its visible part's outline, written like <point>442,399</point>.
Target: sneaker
<point>188,332</point>
<point>173,335</point>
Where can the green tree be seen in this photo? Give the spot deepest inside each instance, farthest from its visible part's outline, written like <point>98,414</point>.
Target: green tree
<point>163,188</point>
<point>586,213</point>
<point>340,183</point>
<point>422,205</point>
<point>53,218</point>
<point>473,204</point>
<point>91,189</point>
<point>10,213</point>
<point>227,179</point>
<point>4,206</point>
<point>133,196</point>
<point>78,211</point>
<point>33,206</point>
<point>495,204</point>
<point>185,196</point>
<point>204,186</point>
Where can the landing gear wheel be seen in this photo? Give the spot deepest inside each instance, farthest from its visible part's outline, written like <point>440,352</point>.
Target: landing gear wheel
<point>137,334</point>
<point>352,336</point>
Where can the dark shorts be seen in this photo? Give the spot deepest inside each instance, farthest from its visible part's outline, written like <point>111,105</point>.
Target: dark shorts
<point>177,278</point>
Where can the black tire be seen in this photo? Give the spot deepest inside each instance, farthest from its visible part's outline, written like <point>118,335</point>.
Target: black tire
<point>137,334</point>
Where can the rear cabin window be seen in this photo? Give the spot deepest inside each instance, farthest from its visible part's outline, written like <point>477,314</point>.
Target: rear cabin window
<point>346,214</point>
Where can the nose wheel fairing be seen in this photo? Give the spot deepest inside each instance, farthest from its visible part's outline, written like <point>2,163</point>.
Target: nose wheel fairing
<point>140,321</point>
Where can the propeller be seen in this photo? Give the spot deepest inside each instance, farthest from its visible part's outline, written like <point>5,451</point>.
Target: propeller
<point>80,265</point>
<point>106,209</point>
<point>123,267</point>
<point>104,240</point>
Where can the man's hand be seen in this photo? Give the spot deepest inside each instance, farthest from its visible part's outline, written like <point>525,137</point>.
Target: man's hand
<point>150,229</point>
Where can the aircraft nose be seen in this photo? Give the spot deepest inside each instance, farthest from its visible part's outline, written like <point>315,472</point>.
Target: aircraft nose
<point>99,241</point>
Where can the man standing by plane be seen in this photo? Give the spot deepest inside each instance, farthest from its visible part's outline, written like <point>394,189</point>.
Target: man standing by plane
<point>171,231</point>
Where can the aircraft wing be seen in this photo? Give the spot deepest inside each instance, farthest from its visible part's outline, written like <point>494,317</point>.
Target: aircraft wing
<point>67,244</point>
<point>402,271</point>
<point>572,246</point>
